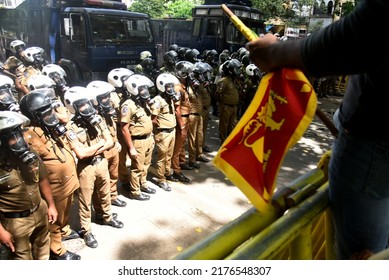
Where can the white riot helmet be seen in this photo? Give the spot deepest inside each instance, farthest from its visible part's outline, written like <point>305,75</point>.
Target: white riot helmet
<point>12,142</point>
<point>51,68</point>
<point>78,100</point>
<point>16,45</point>
<point>144,55</point>
<point>32,54</point>
<point>166,83</point>
<point>250,69</point>
<point>138,85</point>
<point>101,93</point>
<point>117,76</point>
<point>6,81</point>
<point>57,74</point>
<point>39,81</point>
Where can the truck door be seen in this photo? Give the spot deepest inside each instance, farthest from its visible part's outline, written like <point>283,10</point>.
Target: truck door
<point>209,33</point>
<point>74,45</point>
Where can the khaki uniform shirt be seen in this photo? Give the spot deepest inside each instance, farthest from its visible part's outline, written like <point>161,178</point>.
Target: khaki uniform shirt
<point>227,92</point>
<point>205,96</point>
<point>87,137</point>
<point>112,127</point>
<point>184,100</point>
<point>196,103</point>
<point>163,108</point>
<point>19,191</point>
<point>137,117</point>
<point>59,161</point>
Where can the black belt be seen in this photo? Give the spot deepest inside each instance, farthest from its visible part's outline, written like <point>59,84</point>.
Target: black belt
<point>21,214</point>
<point>140,137</point>
<point>185,116</point>
<point>167,130</point>
<point>92,160</point>
<point>229,105</point>
<point>195,114</point>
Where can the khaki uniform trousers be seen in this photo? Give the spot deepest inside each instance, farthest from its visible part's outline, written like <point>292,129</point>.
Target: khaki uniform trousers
<point>140,165</point>
<point>179,146</point>
<point>91,177</point>
<point>165,147</point>
<point>195,137</point>
<point>113,169</point>
<point>61,227</point>
<point>31,234</point>
<point>227,120</point>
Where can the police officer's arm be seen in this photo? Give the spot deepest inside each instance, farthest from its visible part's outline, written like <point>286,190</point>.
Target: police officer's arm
<point>221,86</point>
<point>125,127</point>
<point>79,149</point>
<point>177,108</point>
<point>109,142</point>
<point>45,189</point>
<point>6,238</point>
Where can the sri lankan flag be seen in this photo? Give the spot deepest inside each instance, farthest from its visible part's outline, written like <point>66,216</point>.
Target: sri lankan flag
<point>277,117</point>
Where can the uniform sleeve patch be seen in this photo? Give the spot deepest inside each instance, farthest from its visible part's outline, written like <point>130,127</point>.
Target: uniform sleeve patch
<point>72,135</point>
<point>124,111</point>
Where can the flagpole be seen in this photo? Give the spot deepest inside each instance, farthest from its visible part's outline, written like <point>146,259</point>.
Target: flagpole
<point>250,35</point>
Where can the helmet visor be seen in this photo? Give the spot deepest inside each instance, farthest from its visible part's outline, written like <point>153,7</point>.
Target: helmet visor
<point>15,141</point>
<point>84,107</point>
<point>6,97</point>
<point>49,117</point>
<point>144,92</point>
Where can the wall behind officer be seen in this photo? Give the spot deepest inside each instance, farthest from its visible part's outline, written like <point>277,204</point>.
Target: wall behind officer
<point>89,137</point>
<point>137,128</point>
<point>46,136</point>
<point>24,216</point>
<point>101,92</point>
<point>163,110</point>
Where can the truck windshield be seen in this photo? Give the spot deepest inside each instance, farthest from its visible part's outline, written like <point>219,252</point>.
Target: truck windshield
<point>119,30</point>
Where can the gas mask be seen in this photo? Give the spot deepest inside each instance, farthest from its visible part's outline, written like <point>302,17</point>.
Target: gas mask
<point>14,145</point>
<point>49,119</point>
<point>58,79</point>
<point>193,81</point>
<point>173,95</point>
<point>87,112</point>
<point>7,101</point>
<point>143,93</point>
<point>104,104</point>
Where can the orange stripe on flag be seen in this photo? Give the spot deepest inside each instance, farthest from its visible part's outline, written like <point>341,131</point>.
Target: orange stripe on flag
<point>279,114</point>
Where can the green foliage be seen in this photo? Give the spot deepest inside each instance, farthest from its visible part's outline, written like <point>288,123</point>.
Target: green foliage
<point>154,8</point>
<point>272,8</point>
<point>165,8</point>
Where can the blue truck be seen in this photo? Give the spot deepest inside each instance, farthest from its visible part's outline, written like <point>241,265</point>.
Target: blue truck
<point>209,28</point>
<point>87,38</point>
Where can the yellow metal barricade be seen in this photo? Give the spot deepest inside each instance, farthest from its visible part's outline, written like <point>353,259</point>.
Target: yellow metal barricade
<point>297,228</point>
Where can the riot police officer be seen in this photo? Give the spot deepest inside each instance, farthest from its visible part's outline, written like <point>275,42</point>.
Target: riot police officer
<point>101,92</point>
<point>89,137</point>
<point>137,128</point>
<point>228,96</point>
<point>46,136</point>
<point>24,215</point>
